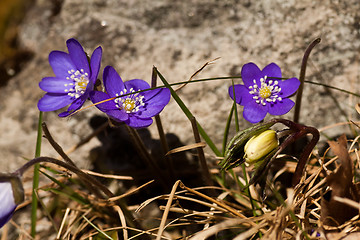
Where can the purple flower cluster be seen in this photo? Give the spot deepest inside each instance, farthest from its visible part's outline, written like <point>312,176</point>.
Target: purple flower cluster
<point>74,83</point>
<point>263,92</point>
<point>134,103</point>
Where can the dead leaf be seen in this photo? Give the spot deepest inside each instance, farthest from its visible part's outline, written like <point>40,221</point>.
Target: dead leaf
<point>334,213</point>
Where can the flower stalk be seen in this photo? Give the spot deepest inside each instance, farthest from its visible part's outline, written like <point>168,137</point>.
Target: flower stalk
<point>302,78</point>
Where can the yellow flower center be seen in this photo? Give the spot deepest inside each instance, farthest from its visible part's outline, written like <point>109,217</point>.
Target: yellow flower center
<point>82,83</point>
<point>78,81</point>
<point>265,92</point>
<point>129,104</point>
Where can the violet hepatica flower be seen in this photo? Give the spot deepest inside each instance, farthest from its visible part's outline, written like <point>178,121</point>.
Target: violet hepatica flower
<point>11,194</point>
<point>137,109</point>
<point>74,78</point>
<point>263,92</point>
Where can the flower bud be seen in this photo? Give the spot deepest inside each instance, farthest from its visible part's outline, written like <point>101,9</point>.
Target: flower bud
<point>234,152</point>
<point>259,146</point>
<point>11,194</point>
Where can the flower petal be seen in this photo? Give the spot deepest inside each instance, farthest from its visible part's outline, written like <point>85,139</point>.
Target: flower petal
<point>255,112</point>
<point>52,101</point>
<point>154,105</point>
<point>112,81</point>
<point>61,63</point>
<point>272,70</point>
<point>289,87</point>
<point>75,105</point>
<point>95,63</point>
<point>7,200</point>
<point>108,107</point>
<point>97,96</point>
<point>136,84</point>
<point>135,122</point>
<point>54,84</point>
<point>241,93</point>
<point>139,84</point>
<point>118,115</point>
<point>77,55</point>
<point>281,107</point>
<point>249,72</point>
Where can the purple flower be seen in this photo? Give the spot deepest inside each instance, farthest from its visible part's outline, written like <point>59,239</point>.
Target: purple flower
<point>135,110</point>
<point>74,78</point>
<point>11,194</point>
<point>263,92</point>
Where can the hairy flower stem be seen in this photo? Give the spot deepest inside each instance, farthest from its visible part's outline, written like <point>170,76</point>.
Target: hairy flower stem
<point>299,132</point>
<point>201,156</point>
<point>149,160</point>
<point>302,78</point>
<point>164,144</point>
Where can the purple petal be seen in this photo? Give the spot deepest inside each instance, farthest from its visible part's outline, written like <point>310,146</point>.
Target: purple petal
<point>118,115</point>
<point>272,71</point>
<point>154,105</point>
<point>54,85</point>
<point>97,96</point>
<point>77,55</point>
<point>136,84</point>
<point>112,81</point>
<point>289,87</point>
<point>95,63</point>
<point>51,102</point>
<point>8,204</point>
<point>77,104</point>
<point>135,122</point>
<point>280,108</point>
<point>241,93</point>
<point>249,72</point>
<point>61,63</point>
<point>254,112</point>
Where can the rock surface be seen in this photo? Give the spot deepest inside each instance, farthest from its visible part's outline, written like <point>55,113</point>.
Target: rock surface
<point>178,37</point>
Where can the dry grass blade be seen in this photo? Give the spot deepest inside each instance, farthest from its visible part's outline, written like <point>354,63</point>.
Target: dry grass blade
<point>111,176</point>
<point>185,148</point>
<point>348,201</point>
<point>357,107</point>
<point>130,192</point>
<point>228,208</point>
<point>196,73</point>
<point>123,221</point>
<point>63,223</point>
<point>221,226</point>
<point>166,212</point>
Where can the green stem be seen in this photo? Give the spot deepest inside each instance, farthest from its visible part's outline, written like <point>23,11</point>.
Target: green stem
<point>34,202</point>
<point>188,114</point>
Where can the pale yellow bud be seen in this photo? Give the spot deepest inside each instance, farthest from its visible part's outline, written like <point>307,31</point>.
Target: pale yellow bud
<point>260,145</point>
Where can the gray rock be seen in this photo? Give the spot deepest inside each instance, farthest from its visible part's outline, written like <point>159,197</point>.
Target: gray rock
<point>178,37</point>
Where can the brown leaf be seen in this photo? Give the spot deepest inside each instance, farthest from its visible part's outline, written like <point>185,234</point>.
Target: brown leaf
<point>335,213</point>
